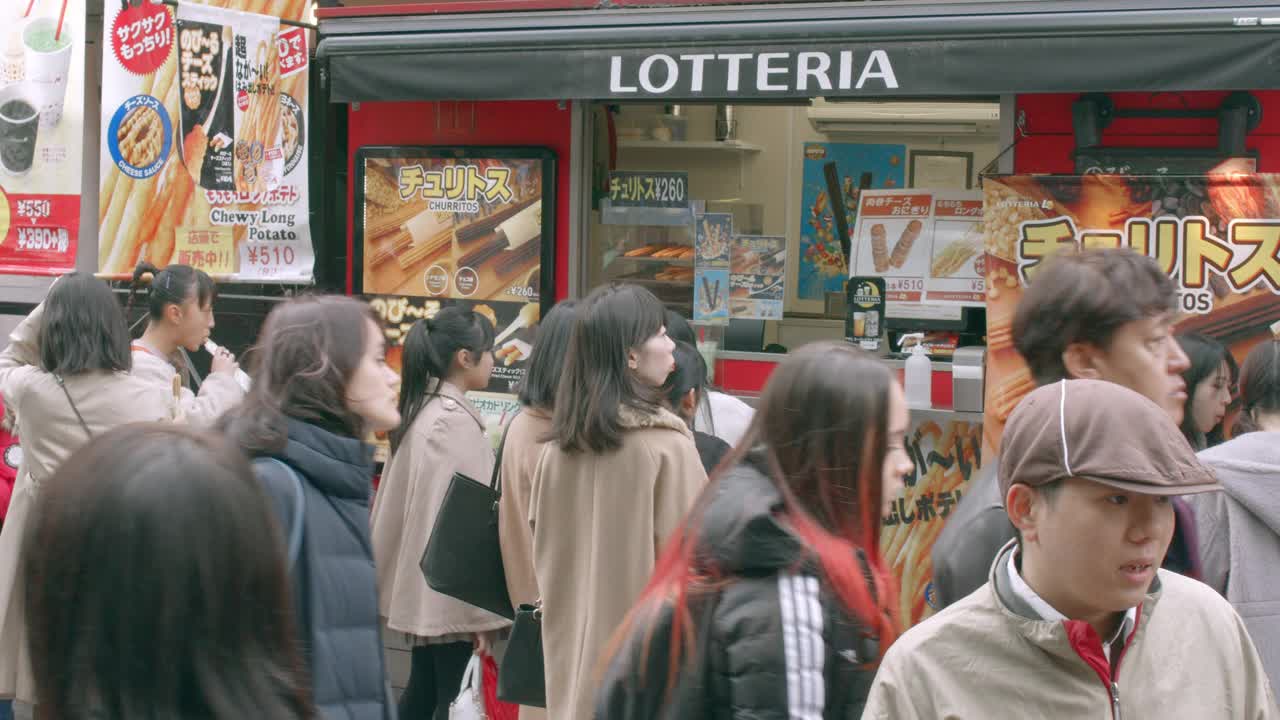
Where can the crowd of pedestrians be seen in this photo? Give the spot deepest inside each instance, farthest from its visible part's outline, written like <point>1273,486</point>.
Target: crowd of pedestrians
<point>181,547</point>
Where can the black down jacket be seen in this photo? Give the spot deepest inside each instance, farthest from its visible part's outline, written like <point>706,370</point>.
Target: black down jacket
<point>773,643</point>
<point>335,590</point>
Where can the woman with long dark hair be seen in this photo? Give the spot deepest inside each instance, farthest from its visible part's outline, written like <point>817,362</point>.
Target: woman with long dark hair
<point>719,414</point>
<point>1240,526</point>
<point>616,479</point>
<point>440,433</point>
<point>65,377</point>
<point>526,434</point>
<point>180,317</point>
<point>772,599</point>
<point>156,585</point>
<point>320,386</point>
<point>1210,379</point>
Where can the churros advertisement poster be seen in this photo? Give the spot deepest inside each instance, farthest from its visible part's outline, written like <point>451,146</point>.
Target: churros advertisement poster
<point>42,63</point>
<point>1218,237</point>
<point>945,453</point>
<point>204,139</point>
<point>835,175</point>
<point>926,244</point>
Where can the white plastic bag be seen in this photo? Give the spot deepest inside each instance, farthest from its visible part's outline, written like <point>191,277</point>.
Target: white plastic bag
<point>470,702</point>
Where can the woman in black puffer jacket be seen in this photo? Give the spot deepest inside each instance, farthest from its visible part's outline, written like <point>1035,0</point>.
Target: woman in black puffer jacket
<point>772,601</point>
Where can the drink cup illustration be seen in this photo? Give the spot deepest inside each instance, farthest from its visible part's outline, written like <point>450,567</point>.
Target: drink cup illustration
<point>19,124</point>
<point>12,57</point>
<point>48,63</point>
<point>859,324</point>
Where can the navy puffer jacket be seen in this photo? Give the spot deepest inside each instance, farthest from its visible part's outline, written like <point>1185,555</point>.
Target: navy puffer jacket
<point>772,644</point>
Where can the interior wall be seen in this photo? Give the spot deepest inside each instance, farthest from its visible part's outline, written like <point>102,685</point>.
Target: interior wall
<point>772,177</point>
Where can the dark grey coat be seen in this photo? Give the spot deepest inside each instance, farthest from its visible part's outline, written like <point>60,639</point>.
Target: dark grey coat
<point>335,590</point>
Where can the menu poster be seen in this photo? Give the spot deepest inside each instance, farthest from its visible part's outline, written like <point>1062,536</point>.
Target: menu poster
<point>946,453</point>
<point>516,326</point>
<point>851,168</point>
<point>1217,236</point>
<point>472,224</point>
<point>957,261</point>
<point>864,312</point>
<point>41,135</point>
<point>712,239</point>
<point>757,276</point>
<point>204,129</point>
<point>927,245</point>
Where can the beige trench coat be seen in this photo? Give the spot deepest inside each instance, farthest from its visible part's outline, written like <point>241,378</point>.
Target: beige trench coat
<point>519,458</point>
<point>218,393</point>
<point>50,433</point>
<point>448,436</point>
<point>598,524</point>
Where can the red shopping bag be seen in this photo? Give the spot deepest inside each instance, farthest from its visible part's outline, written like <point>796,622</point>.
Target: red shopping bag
<point>495,708</point>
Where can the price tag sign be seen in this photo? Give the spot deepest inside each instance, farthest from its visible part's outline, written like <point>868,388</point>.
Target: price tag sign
<point>280,261</point>
<point>649,189</point>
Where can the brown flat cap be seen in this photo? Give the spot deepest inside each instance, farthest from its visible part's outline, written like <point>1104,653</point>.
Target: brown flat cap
<point>1103,432</point>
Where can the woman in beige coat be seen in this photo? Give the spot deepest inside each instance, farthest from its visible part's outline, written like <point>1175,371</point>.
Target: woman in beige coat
<point>616,480</point>
<point>440,434</point>
<point>65,376</point>
<point>180,317</point>
<point>526,435</point>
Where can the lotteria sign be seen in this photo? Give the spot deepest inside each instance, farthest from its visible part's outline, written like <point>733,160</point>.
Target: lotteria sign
<point>723,74</point>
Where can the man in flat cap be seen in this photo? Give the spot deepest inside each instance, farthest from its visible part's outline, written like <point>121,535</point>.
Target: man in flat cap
<point>1077,620</point>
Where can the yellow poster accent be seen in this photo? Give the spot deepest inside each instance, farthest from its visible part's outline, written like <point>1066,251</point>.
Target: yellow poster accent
<point>211,249</point>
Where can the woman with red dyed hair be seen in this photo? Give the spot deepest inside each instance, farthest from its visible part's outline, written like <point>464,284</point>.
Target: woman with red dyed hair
<point>772,601</point>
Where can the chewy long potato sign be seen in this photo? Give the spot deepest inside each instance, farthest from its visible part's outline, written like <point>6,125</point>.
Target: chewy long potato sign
<point>1217,236</point>
<point>204,132</point>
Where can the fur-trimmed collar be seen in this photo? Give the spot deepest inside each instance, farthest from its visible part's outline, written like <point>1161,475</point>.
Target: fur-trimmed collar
<point>659,418</point>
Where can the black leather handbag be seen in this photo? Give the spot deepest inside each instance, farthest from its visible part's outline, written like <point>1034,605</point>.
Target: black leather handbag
<point>463,559</point>
<point>522,676</point>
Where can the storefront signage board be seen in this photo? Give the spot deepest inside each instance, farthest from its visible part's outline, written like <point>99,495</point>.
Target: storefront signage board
<point>1217,236</point>
<point>649,189</point>
<point>41,135</point>
<point>204,133</point>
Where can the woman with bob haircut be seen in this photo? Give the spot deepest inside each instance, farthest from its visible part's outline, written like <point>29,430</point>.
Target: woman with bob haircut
<point>616,478</point>
<point>320,386</point>
<point>440,433</point>
<point>180,317</point>
<point>772,600</point>
<point>526,434</point>
<point>65,377</point>
<point>156,585</point>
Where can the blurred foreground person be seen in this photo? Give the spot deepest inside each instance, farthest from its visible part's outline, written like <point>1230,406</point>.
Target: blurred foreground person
<point>1240,527</point>
<point>320,385</point>
<point>772,600</point>
<point>1078,619</point>
<point>156,586</point>
<point>617,479</point>
<point>65,377</point>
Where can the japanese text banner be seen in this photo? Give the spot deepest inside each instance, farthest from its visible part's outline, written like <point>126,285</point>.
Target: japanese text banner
<point>1217,236</point>
<point>41,135</point>
<point>204,130</point>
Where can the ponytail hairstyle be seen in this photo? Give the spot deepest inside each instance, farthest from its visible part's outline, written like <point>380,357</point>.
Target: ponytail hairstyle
<point>1259,386</point>
<point>821,435</point>
<point>690,373</point>
<point>173,285</point>
<point>429,349</point>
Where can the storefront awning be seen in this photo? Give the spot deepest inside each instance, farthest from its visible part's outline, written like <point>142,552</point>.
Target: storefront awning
<point>858,49</point>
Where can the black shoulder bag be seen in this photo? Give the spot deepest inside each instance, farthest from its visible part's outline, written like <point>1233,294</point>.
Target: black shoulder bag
<point>463,558</point>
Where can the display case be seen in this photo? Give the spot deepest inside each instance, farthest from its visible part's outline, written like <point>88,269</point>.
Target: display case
<point>652,247</point>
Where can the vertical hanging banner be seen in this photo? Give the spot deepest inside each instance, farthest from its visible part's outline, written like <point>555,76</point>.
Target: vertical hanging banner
<point>41,135</point>
<point>204,130</point>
